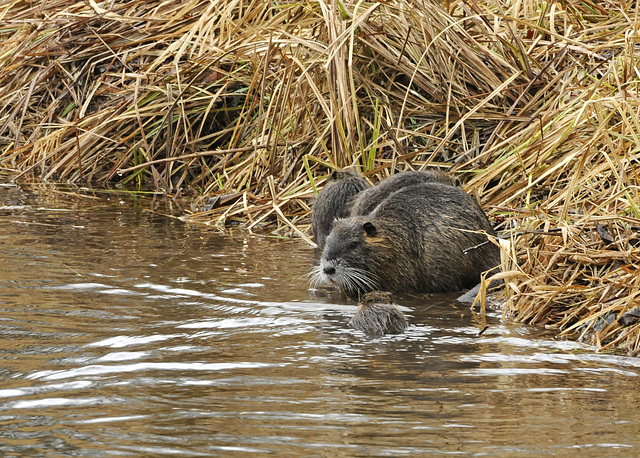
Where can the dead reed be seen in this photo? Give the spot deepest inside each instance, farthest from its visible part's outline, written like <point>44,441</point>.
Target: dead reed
<point>534,105</point>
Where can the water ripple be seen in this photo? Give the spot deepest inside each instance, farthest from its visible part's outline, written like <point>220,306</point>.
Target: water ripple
<point>97,369</point>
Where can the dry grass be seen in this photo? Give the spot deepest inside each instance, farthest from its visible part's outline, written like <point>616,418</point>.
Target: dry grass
<point>534,105</point>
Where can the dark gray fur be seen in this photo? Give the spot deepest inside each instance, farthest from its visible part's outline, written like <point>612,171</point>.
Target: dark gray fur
<point>416,240</point>
<point>377,315</point>
<point>334,202</point>
<point>366,201</point>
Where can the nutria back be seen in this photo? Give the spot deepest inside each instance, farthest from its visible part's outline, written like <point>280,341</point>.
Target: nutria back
<point>423,238</point>
<point>366,201</point>
<point>334,202</point>
<point>378,315</point>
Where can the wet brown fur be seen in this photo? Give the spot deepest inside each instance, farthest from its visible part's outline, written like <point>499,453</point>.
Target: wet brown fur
<point>367,200</point>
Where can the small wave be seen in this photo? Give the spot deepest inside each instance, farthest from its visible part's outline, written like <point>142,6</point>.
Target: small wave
<point>98,369</point>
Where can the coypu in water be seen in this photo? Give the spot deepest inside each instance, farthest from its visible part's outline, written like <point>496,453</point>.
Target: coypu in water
<point>367,200</point>
<point>334,202</point>
<point>378,315</point>
<point>423,238</point>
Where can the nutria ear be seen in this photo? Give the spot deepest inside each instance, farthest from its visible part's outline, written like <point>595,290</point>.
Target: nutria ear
<point>369,228</point>
<point>334,176</point>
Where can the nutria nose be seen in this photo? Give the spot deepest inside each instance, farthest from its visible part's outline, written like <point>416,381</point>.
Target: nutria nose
<point>329,270</point>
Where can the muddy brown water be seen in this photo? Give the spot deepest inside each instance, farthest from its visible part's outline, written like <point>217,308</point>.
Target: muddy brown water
<point>128,333</point>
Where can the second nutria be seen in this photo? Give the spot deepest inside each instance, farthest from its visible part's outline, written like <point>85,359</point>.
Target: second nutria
<point>378,315</point>
<point>423,238</point>
<point>334,202</point>
<point>366,201</point>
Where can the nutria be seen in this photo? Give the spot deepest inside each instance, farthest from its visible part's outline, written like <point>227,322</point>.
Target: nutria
<point>334,202</point>
<point>366,201</point>
<point>423,238</point>
<point>378,315</point>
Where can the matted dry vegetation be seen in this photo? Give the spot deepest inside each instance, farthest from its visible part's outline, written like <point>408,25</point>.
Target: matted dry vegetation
<point>533,105</point>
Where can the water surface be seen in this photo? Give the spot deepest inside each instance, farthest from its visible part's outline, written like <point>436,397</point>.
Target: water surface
<point>126,332</point>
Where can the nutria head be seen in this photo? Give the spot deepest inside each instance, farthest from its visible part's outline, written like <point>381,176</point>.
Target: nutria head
<point>350,256</point>
<point>378,315</point>
<point>334,202</point>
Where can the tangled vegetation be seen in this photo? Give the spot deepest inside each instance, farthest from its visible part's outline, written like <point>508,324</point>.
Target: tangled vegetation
<point>533,105</point>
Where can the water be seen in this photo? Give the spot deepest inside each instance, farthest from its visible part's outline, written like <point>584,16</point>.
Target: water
<point>129,333</point>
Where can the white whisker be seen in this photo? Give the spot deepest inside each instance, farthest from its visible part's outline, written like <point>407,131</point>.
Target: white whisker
<point>350,280</point>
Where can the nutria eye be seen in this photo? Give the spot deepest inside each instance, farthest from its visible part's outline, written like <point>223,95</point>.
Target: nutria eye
<point>353,245</point>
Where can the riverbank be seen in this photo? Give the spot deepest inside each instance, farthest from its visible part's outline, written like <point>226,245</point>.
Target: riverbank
<point>533,106</point>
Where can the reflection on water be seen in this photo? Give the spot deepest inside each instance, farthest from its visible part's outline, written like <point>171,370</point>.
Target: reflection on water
<point>129,333</point>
